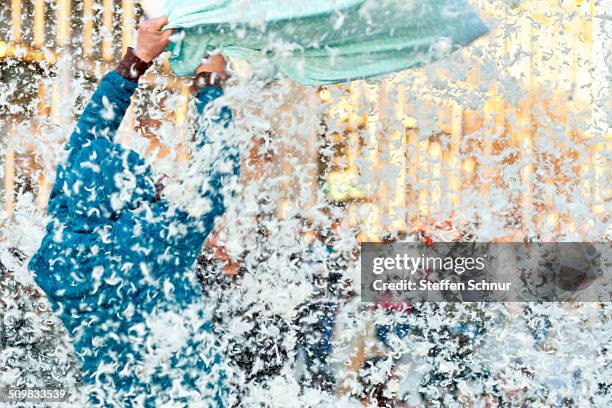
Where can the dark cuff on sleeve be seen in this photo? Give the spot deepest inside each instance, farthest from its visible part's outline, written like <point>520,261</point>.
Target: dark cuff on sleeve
<point>131,67</point>
<point>206,79</point>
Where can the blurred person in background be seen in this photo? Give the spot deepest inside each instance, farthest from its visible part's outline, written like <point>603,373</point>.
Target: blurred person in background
<point>263,344</point>
<point>325,264</point>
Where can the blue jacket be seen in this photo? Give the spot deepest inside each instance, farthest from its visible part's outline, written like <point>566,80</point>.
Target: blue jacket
<point>115,260</point>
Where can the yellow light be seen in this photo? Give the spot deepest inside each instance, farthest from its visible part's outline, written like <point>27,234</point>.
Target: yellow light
<point>341,186</point>
<point>88,20</point>
<point>3,49</point>
<point>39,23</point>
<point>324,95</point>
<point>127,25</point>
<point>468,166</point>
<point>16,20</point>
<point>553,219</point>
<point>107,40</point>
<point>62,36</point>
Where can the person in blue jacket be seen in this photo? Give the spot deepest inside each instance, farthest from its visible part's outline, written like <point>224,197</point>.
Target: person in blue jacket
<point>115,261</point>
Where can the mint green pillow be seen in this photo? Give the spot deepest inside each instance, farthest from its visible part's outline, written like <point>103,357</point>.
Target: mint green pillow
<point>320,42</point>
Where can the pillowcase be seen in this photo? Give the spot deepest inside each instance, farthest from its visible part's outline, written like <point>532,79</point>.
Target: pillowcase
<point>318,42</point>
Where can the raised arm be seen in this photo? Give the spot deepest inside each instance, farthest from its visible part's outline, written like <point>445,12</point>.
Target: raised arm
<point>208,85</point>
<point>213,119</point>
<point>105,111</point>
<point>183,227</point>
<point>93,152</point>
<point>209,82</point>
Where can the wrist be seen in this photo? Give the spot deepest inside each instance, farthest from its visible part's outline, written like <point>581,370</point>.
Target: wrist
<point>208,78</point>
<point>132,67</point>
<point>142,55</point>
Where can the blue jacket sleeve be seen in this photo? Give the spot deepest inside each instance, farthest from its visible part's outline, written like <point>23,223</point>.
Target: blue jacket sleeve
<point>85,183</point>
<point>176,227</point>
<point>104,112</point>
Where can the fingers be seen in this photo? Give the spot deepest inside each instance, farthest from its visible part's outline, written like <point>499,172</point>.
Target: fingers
<point>211,242</point>
<point>151,40</point>
<point>217,62</point>
<point>157,23</point>
<point>214,63</point>
<point>217,59</point>
<point>165,37</point>
<point>232,269</point>
<point>154,25</point>
<point>222,255</point>
<point>220,252</point>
